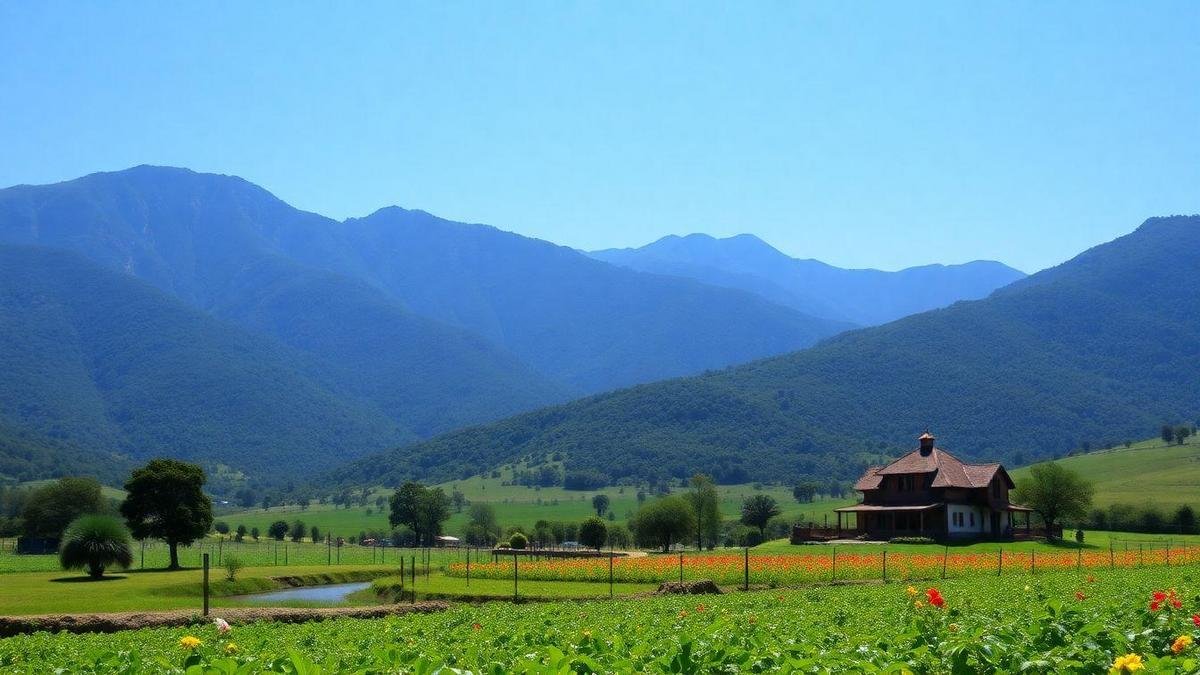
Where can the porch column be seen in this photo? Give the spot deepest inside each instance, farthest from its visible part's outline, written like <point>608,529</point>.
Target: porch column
<point>839,517</point>
<point>921,520</point>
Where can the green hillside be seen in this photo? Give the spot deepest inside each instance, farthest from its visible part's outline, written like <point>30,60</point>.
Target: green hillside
<point>98,361</point>
<point>1149,472</point>
<point>1104,347</point>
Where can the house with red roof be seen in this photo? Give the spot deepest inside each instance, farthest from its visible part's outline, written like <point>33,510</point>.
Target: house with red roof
<point>931,493</point>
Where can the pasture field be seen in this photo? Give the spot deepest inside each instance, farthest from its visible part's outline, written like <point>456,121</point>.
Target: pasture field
<point>1061,622</point>
<point>1148,471</point>
<point>516,505</point>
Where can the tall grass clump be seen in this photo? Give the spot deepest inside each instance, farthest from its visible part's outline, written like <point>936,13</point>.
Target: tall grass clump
<point>95,542</point>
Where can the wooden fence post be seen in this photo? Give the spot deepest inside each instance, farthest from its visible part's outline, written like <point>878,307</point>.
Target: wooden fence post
<point>1000,562</point>
<point>514,577</point>
<point>885,565</point>
<point>610,575</point>
<point>945,554</point>
<point>746,570</point>
<point>204,558</point>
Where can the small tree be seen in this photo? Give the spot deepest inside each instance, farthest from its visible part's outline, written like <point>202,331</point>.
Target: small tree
<point>1185,519</point>
<point>459,500</point>
<point>221,527</point>
<point>254,533</point>
<point>593,532</point>
<point>315,533</point>
<point>1182,433</point>
<point>665,521</point>
<point>50,508</point>
<point>758,510</point>
<point>1055,493</point>
<point>95,542</point>
<point>600,503</point>
<point>806,490</point>
<point>707,505</point>
<point>165,500</point>
<point>240,533</point>
<point>298,530</point>
<point>233,565</point>
<point>518,541</point>
<point>422,509</point>
<point>277,530</point>
<point>1168,433</point>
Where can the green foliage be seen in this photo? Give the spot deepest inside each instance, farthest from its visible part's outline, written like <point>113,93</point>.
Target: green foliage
<point>232,564</point>
<point>664,521</point>
<point>422,509</point>
<point>806,490</point>
<point>518,541</point>
<point>50,508</point>
<point>95,542</point>
<point>758,510</point>
<point>706,504</point>
<point>165,500</point>
<point>600,502</point>
<point>1030,369</point>
<point>298,530</point>
<point>1055,493</point>
<point>277,530</point>
<point>593,533</point>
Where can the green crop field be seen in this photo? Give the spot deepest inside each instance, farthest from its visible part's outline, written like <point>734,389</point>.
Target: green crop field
<point>1146,472</point>
<point>1060,622</point>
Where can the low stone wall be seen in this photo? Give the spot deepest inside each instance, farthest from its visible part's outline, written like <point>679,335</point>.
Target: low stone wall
<point>119,621</point>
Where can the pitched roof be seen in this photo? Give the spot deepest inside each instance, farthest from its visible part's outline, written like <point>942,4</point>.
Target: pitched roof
<point>869,480</point>
<point>950,470</point>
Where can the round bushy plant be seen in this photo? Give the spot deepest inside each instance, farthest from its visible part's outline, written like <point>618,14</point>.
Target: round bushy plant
<point>518,540</point>
<point>95,542</point>
<point>233,565</point>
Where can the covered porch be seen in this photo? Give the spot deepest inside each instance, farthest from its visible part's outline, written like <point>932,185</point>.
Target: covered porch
<point>889,521</point>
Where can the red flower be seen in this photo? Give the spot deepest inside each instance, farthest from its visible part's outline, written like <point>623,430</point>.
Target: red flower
<point>1176,603</point>
<point>1159,596</point>
<point>1196,620</point>
<point>476,626</point>
<point>1154,605</point>
<point>935,598</point>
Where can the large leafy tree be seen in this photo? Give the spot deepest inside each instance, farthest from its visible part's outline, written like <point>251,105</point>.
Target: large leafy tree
<point>52,507</point>
<point>95,541</point>
<point>422,509</point>
<point>166,501</point>
<point>665,521</point>
<point>1055,493</point>
<point>593,532</point>
<point>758,510</point>
<point>707,505</point>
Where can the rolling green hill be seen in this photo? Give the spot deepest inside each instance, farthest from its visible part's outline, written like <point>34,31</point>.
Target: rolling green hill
<point>102,364</point>
<point>1104,347</point>
<point>1149,472</point>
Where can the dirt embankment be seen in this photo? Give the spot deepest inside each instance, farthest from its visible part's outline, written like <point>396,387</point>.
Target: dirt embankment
<point>119,621</point>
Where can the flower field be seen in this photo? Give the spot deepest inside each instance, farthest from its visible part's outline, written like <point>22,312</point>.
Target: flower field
<point>791,569</point>
<point>1123,620</point>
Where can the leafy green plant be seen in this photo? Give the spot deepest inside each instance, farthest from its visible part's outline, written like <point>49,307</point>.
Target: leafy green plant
<point>95,542</point>
<point>233,565</point>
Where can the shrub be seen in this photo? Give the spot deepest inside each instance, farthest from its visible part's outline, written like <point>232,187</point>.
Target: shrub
<point>233,565</point>
<point>96,542</point>
<point>518,540</point>
<point>911,540</point>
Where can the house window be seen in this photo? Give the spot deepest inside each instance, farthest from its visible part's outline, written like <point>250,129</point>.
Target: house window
<point>972,519</point>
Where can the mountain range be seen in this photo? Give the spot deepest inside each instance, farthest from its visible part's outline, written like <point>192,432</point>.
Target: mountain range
<point>288,342</point>
<point>865,297</point>
<point>1101,349</point>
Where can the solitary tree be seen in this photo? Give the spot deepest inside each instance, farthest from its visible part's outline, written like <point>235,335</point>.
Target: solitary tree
<point>221,527</point>
<point>240,533</point>
<point>706,503</point>
<point>1185,519</point>
<point>482,527</point>
<point>600,503</point>
<point>1167,433</point>
<point>1181,434</point>
<point>95,542</point>
<point>665,521</point>
<point>420,508</point>
<point>315,533</point>
<point>277,530</point>
<point>593,533</point>
<point>806,490</point>
<point>298,530</point>
<point>254,533</point>
<point>165,500</point>
<point>758,510</point>
<point>1055,493</point>
<point>458,499</point>
<point>52,507</point>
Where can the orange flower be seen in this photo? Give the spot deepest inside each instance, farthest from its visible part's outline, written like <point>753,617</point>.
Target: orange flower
<point>1181,643</point>
<point>476,626</point>
<point>1080,596</point>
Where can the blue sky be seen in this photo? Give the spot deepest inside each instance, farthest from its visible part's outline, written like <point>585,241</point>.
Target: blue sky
<point>882,135</point>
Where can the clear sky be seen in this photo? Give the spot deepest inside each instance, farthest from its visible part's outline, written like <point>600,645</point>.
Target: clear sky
<point>881,135</point>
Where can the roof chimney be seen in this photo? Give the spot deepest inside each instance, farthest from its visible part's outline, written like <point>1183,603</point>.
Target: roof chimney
<point>926,440</point>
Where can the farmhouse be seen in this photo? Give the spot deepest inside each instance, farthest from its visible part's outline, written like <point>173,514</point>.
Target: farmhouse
<point>931,493</point>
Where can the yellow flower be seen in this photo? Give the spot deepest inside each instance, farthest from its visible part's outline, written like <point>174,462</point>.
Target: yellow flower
<point>1127,664</point>
<point>587,635</point>
<point>918,604</point>
<point>912,591</point>
<point>231,648</point>
<point>1181,643</point>
<point>953,628</point>
<point>189,642</point>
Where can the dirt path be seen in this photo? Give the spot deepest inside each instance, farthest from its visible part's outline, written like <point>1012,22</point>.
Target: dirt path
<point>119,621</point>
